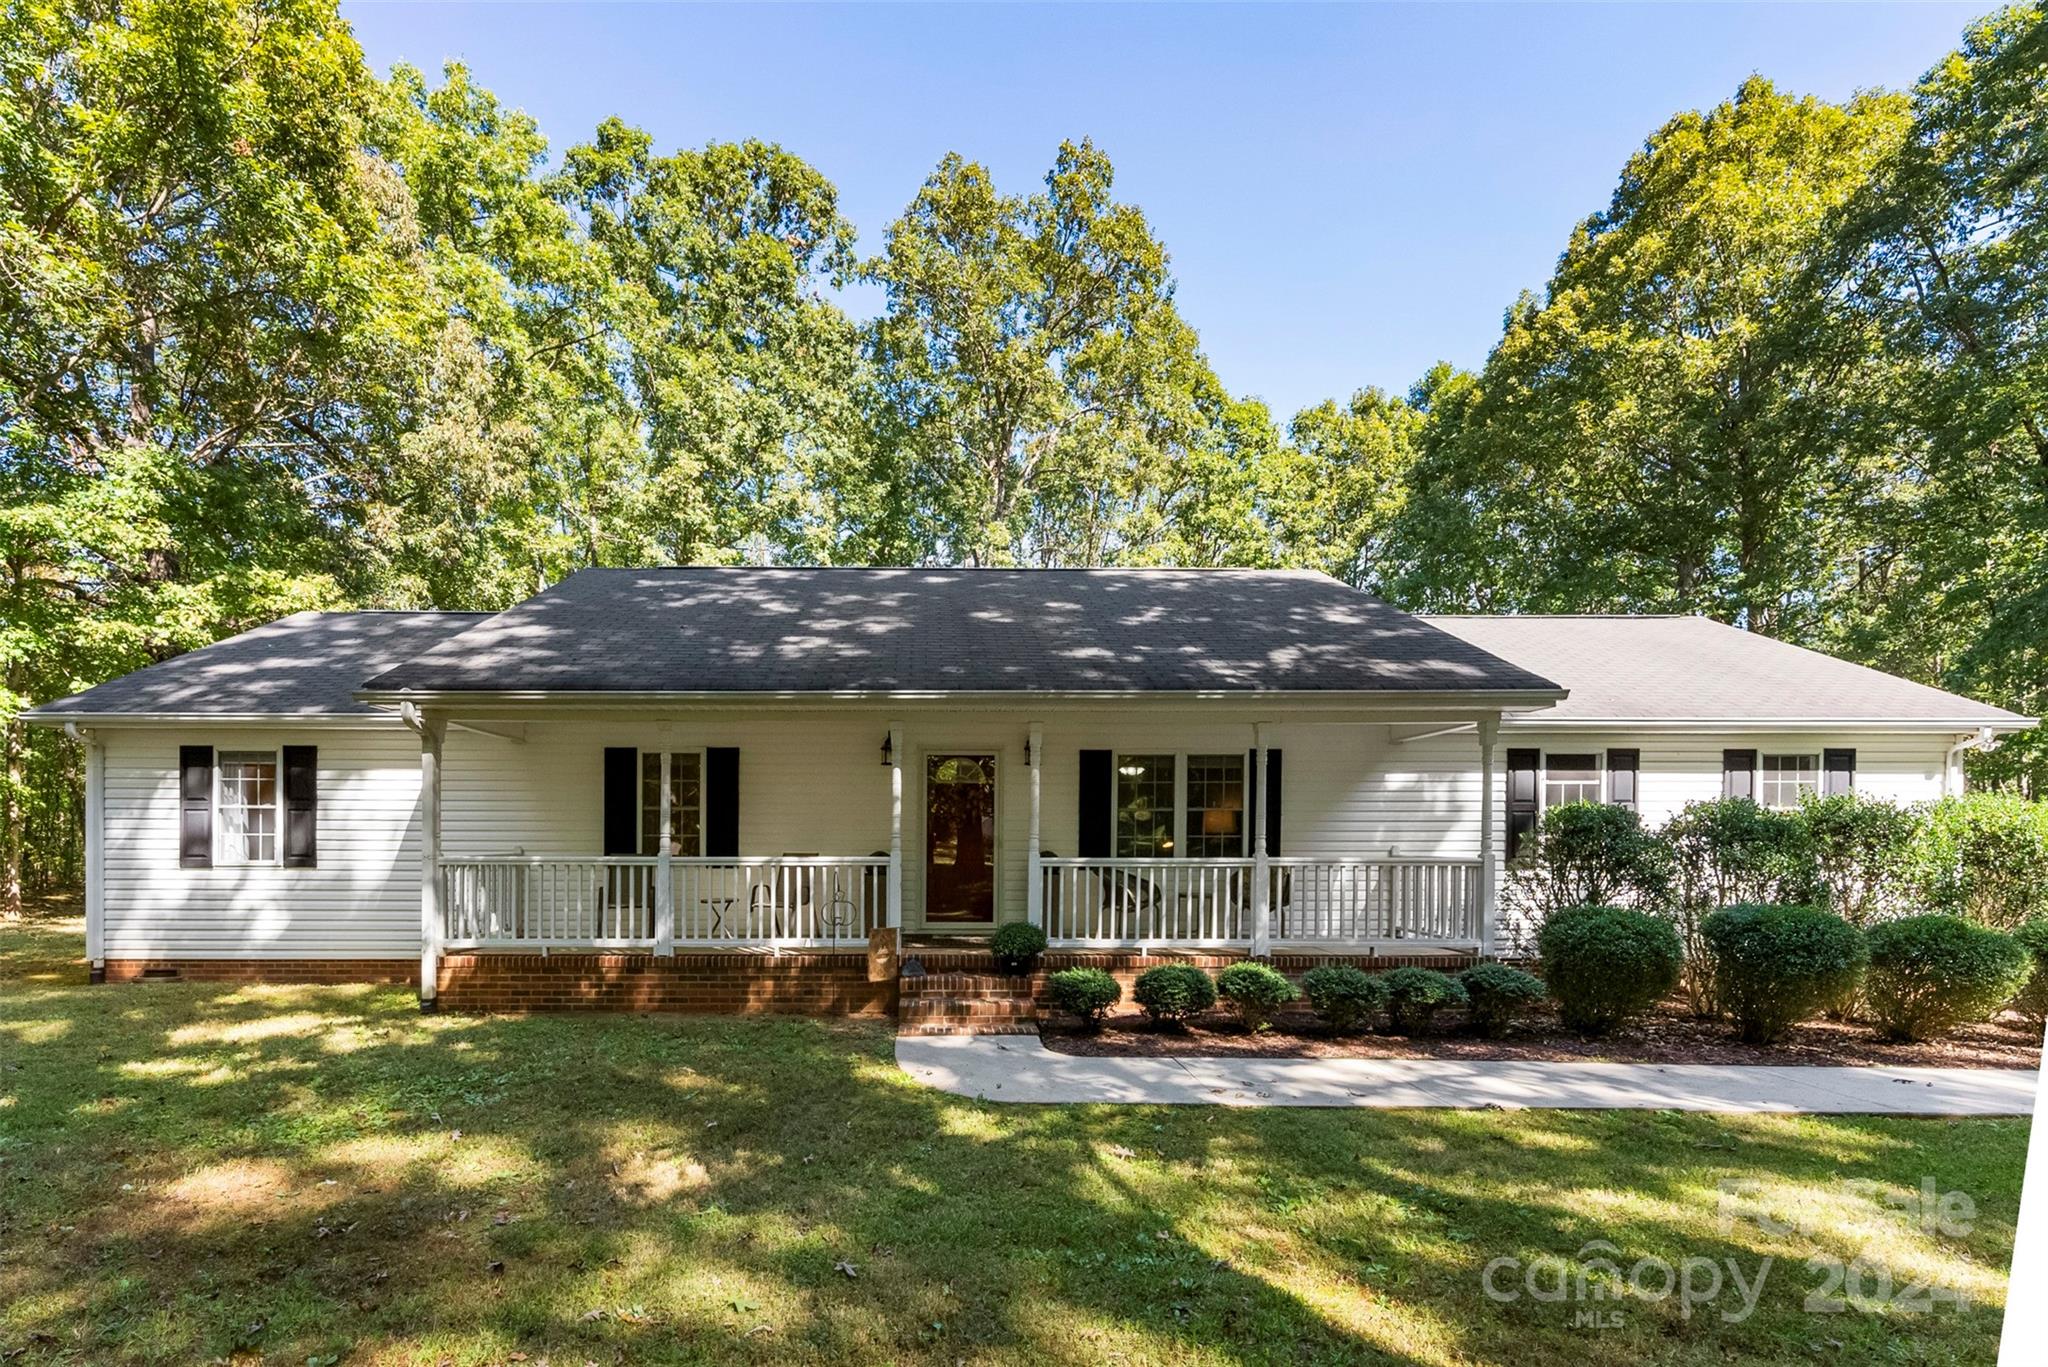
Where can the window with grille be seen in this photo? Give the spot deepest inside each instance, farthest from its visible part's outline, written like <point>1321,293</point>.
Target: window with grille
<point>1144,806</point>
<point>685,803</point>
<point>1787,778</point>
<point>245,798</point>
<point>1570,778</point>
<point>1215,807</point>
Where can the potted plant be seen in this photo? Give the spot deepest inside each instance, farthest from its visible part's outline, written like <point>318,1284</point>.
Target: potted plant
<point>1017,947</point>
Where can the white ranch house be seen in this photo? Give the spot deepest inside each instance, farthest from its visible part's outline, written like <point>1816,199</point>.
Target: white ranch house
<point>1238,762</point>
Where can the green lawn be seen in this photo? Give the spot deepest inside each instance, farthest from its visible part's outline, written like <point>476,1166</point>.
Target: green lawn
<point>302,1175</point>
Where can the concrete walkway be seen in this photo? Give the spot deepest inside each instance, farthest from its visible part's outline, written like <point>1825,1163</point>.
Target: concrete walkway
<point>1020,1068</point>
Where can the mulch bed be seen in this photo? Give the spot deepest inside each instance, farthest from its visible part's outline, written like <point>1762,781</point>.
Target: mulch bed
<point>1667,1035</point>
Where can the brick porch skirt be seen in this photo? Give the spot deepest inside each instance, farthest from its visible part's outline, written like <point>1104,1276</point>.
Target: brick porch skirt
<point>800,983</point>
<point>266,970</point>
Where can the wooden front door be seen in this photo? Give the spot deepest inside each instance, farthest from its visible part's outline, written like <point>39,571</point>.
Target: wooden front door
<point>960,840</point>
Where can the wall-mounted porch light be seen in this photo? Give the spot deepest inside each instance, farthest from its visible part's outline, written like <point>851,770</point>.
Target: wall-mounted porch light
<point>888,748</point>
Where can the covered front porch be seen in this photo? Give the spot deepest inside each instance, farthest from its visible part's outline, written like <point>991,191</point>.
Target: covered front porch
<point>830,832</point>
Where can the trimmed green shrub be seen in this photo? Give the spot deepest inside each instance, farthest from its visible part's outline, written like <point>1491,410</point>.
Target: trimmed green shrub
<point>1345,997</point>
<point>1586,853</point>
<point>1775,966</point>
<point>1171,993</point>
<point>1929,974</point>
<point>1983,857</point>
<point>1084,992</point>
<point>1414,995</point>
<point>1726,852</point>
<point>1607,964</point>
<point>1015,945</point>
<point>2032,1001</point>
<point>1498,994</point>
<point>1858,848</point>
<point>1255,992</point>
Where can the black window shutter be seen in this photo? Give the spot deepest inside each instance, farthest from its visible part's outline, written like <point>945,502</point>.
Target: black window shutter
<point>621,800</point>
<point>1738,773</point>
<point>195,806</point>
<point>1095,829</point>
<point>1838,772</point>
<point>722,802</point>
<point>1522,769</point>
<point>301,807</point>
<point>1622,768</point>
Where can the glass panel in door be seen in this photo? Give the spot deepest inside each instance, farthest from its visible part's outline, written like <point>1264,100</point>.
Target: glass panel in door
<point>960,840</point>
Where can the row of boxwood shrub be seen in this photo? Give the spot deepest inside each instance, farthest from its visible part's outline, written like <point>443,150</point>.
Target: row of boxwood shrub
<point>1345,998</point>
<point>1982,856</point>
<point>1776,965</point>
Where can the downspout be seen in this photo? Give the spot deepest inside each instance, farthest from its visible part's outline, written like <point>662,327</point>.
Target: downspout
<point>95,850</point>
<point>1952,762</point>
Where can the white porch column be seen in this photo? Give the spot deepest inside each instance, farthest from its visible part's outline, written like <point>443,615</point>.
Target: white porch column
<point>1489,731</point>
<point>433,730</point>
<point>896,759</point>
<point>1262,879</point>
<point>1034,888</point>
<point>664,870</point>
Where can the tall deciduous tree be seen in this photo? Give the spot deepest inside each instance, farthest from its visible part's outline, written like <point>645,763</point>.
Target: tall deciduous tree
<point>743,372</point>
<point>1662,429</point>
<point>1947,253</point>
<point>1042,400</point>
<point>187,331</point>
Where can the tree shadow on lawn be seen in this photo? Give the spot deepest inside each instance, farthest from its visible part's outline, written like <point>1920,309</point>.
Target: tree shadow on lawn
<point>195,1171</point>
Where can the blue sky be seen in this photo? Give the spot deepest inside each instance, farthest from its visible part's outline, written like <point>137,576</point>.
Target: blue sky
<point>1349,193</point>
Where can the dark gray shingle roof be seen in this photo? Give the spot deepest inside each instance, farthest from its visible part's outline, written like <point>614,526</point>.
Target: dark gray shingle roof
<point>1694,669</point>
<point>880,630</point>
<point>308,664</point>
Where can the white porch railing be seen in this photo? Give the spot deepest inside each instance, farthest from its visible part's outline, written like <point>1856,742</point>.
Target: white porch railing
<point>611,902</point>
<point>1312,902</point>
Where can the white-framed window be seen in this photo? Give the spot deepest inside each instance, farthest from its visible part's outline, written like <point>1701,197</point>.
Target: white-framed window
<point>1182,806</point>
<point>1788,778</point>
<point>245,807</point>
<point>1216,806</point>
<point>1570,778</point>
<point>685,802</point>
<point>1145,807</point>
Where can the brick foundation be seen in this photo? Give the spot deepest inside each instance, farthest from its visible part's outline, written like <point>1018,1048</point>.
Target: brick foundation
<point>265,970</point>
<point>805,983</point>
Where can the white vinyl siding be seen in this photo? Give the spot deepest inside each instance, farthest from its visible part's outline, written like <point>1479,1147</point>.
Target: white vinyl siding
<point>362,902</point>
<point>815,784</point>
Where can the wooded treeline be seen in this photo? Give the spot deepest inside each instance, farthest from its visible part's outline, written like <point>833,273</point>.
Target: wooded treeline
<point>276,333</point>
